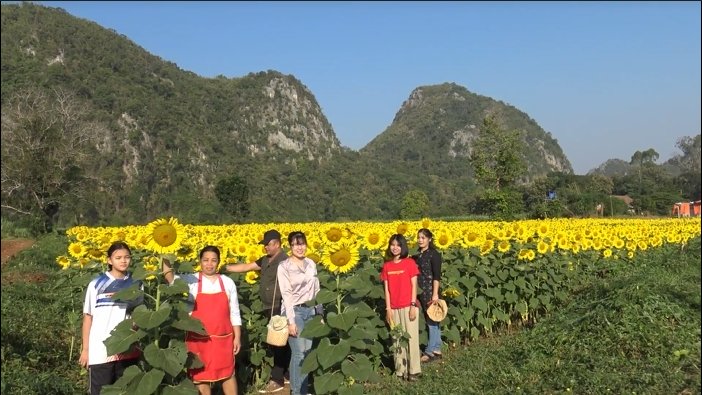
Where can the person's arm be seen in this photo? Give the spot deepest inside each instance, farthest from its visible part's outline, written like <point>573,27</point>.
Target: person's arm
<point>413,308</point>
<point>242,267</point>
<point>235,315</point>
<point>168,272</point>
<point>388,309</point>
<point>85,332</point>
<point>237,339</point>
<point>435,275</point>
<point>286,294</point>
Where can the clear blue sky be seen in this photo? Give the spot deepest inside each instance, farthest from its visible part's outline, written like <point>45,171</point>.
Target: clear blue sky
<point>604,78</point>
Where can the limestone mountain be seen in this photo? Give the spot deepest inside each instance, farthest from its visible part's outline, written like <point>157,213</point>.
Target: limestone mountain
<point>162,137</point>
<point>435,126</point>
<point>170,133</point>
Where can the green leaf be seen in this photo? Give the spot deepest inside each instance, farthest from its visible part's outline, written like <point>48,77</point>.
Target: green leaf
<point>122,337</point>
<point>479,303</point>
<point>149,382</point>
<point>256,358</point>
<point>325,296</point>
<point>133,292</point>
<point>139,273</point>
<point>358,367</point>
<point>522,307</point>
<point>343,321</point>
<point>187,323</point>
<point>148,319</point>
<point>178,287</point>
<point>185,387</point>
<point>363,310</point>
<point>315,328</point>
<point>328,383</point>
<point>503,274</point>
<point>330,354</point>
<point>171,359</point>
<point>310,363</point>
<point>129,374</point>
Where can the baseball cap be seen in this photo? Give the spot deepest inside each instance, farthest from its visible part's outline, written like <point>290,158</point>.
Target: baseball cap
<point>271,234</point>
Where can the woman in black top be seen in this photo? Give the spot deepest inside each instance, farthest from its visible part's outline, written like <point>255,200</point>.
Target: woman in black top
<point>429,262</point>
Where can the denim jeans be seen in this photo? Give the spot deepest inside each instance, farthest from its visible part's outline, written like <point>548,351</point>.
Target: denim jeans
<point>299,348</point>
<point>434,342</point>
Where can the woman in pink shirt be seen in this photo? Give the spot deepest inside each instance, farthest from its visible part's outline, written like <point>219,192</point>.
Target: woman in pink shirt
<point>297,278</point>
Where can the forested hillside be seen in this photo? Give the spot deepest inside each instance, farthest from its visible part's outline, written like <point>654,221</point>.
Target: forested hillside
<point>96,130</point>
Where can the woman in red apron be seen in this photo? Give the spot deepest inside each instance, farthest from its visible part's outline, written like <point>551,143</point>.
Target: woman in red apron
<point>217,307</point>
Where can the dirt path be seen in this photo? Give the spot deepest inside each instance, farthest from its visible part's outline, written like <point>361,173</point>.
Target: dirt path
<point>12,247</point>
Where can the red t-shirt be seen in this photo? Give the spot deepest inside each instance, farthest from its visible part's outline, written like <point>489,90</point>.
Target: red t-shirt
<point>399,277</point>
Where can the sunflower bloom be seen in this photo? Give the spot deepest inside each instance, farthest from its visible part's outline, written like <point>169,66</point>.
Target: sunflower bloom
<point>251,277</point>
<point>165,236</point>
<point>341,257</point>
<point>63,261</point>
<point>77,250</point>
<point>334,234</point>
<point>503,246</point>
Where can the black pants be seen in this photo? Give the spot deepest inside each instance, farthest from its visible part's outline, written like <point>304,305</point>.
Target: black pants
<point>107,373</point>
<point>281,355</point>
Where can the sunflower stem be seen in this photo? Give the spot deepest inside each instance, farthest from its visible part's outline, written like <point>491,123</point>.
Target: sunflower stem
<point>338,295</point>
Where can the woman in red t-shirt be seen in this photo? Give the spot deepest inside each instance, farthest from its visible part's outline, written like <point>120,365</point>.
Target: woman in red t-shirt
<point>399,274</point>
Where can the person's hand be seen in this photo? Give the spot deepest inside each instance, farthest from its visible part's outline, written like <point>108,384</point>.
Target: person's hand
<point>83,359</point>
<point>388,317</point>
<point>413,313</point>
<point>292,330</point>
<point>237,345</point>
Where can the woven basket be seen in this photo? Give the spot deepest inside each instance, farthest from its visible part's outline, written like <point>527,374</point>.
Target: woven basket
<point>277,331</point>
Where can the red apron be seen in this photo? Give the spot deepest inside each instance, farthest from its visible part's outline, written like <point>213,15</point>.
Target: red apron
<point>216,349</point>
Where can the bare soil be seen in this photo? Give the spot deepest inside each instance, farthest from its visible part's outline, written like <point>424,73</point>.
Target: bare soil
<point>11,248</point>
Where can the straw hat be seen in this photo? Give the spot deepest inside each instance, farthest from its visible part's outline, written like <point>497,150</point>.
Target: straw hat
<point>437,311</point>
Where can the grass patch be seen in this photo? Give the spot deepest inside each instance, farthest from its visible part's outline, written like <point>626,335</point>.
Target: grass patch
<point>637,331</point>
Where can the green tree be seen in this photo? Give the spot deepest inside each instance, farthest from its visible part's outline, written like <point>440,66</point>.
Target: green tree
<point>415,205</point>
<point>497,156</point>
<point>233,194</point>
<point>641,159</point>
<point>47,143</point>
<point>690,166</point>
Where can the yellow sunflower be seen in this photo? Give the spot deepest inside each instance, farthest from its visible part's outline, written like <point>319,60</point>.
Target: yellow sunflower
<point>340,257</point>
<point>503,246</point>
<point>63,261</point>
<point>334,234</point>
<point>165,235</point>
<point>373,240</point>
<point>487,246</point>
<point>77,250</point>
<point>251,276</point>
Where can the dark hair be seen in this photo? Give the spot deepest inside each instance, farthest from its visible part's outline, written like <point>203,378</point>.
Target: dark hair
<point>117,245</point>
<point>404,250</point>
<point>209,249</point>
<point>297,236</point>
<point>427,233</point>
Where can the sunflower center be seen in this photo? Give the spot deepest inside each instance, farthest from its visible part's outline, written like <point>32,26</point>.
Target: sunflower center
<point>334,234</point>
<point>164,235</point>
<point>340,258</point>
<point>373,238</point>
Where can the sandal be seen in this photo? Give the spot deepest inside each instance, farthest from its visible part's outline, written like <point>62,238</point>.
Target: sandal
<point>427,358</point>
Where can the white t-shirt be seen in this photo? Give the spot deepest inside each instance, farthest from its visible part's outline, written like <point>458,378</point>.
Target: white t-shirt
<point>212,287</point>
<point>106,313</point>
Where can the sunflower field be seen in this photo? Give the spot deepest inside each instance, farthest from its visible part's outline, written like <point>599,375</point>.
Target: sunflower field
<point>496,275</point>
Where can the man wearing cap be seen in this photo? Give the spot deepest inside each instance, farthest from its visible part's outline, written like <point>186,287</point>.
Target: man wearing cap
<point>268,265</point>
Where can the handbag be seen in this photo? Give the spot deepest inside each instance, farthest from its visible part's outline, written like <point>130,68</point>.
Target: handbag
<point>277,334</point>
